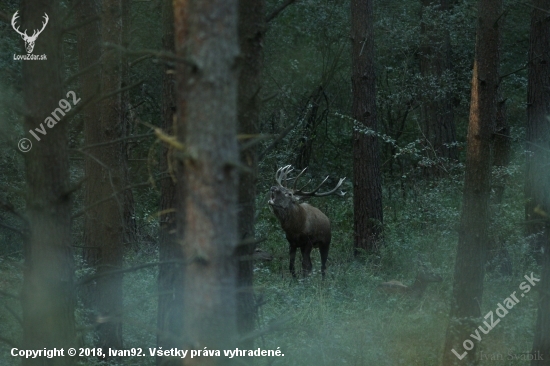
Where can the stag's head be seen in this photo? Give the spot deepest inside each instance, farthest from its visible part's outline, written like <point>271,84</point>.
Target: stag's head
<point>29,40</point>
<point>283,197</point>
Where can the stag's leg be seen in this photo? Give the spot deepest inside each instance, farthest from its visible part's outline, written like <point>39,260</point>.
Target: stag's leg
<point>292,255</point>
<point>306,259</point>
<point>324,255</point>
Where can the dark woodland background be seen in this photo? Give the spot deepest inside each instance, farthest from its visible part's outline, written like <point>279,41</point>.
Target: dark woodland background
<point>141,218</point>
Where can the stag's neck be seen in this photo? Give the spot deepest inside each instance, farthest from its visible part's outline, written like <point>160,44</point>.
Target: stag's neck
<point>292,219</point>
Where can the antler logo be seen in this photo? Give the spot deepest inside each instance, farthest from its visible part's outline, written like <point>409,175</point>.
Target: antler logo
<point>29,40</point>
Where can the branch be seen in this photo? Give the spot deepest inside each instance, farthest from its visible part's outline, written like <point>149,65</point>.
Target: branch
<point>276,12</point>
<point>105,96</point>
<point>124,270</point>
<point>513,72</point>
<point>136,137</point>
<point>9,207</point>
<point>281,136</point>
<point>15,230</point>
<point>113,195</point>
<point>158,54</point>
<point>81,72</point>
<point>253,140</point>
<point>536,8</point>
<point>75,187</point>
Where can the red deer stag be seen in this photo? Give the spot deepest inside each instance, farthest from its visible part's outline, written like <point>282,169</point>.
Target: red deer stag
<point>417,289</point>
<point>306,227</point>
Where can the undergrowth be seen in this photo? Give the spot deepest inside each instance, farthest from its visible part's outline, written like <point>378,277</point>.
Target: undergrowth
<point>345,319</point>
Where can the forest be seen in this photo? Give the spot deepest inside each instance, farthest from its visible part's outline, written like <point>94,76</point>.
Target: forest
<point>161,163</point>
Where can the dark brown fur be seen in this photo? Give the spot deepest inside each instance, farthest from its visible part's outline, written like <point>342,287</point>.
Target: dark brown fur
<point>306,227</point>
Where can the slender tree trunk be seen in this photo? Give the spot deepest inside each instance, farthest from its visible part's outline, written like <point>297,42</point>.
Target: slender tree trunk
<point>104,170</point>
<point>129,209</point>
<point>437,109</point>
<point>170,308</point>
<point>251,29</point>
<point>469,269</point>
<point>502,147</point>
<point>538,126</point>
<point>367,185</point>
<point>48,296</point>
<point>207,89</point>
<point>538,175</point>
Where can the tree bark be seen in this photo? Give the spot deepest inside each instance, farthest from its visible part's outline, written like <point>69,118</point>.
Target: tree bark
<point>537,187</point>
<point>502,151</point>
<point>105,175</point>
<point>170,280</point>
<point>538,126</point>
<point>367,186</point>
<point>251,29</point>
<point>437,110</point>
<point>89,52</point>
<point>469,268</point>
<point>48,296</point>
<point>129,208</point>
<point>207,90</point>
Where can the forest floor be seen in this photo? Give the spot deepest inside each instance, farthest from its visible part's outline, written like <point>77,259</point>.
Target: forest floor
<point>345,319</point>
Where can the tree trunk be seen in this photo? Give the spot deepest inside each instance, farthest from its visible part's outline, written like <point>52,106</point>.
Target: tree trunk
<point>129,206</point>
<point>89,52</point>
<point>251,29</point>
<point>170,280</point>
<point>502,151</point>
<point>105,179</point>
<point>538,126</point>
<point>469,269</point>
<point>538,175</point>
<point>48,296</point>
<point>367,186</point>
<point>206,35</point>
<point>437,109</point>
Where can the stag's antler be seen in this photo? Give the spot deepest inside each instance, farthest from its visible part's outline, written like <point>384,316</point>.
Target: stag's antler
<point>282,176</point>
<point>328,193</point>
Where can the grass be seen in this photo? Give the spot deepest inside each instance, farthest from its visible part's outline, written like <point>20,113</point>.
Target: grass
<point>344,320</point>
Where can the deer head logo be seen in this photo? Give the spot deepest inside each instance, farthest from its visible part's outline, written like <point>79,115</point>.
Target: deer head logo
<point>29,40</point>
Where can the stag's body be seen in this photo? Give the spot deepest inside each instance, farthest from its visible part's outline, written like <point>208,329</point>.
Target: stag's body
<point>305,226</point>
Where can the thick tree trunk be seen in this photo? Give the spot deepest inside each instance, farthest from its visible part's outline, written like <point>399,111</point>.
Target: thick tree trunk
<point>207,97</point>
<point>437,109</point>
<point>537,186</point>
<point>105,178</point>
<point>469,269</point>
<point>48,296</point>
<point>367,185</point>
<point>251,29</point>
<point>170,280</point>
